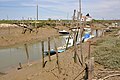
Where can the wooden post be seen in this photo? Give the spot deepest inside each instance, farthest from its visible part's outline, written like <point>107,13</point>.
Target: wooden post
<point>26,48</point>
<point>86,72</point>
<point>43,54</point>
<point>90,63</point>
<point>57,56</point>
<point>91,30</point>
<point>102,32</point>
<point>89,54</point>
<point>81,44</point>
<point>20,65</point>
<point>81,32</point>
<point>84,22</point>
<point>36,26</point>
<point>74,15</point>
<point>91,69</point>
<point>78,16</point>
<point>68,41</point>
<point>49,48</point>
<point>75,54</point>
<point>73,21</point>
<point>96,32</point>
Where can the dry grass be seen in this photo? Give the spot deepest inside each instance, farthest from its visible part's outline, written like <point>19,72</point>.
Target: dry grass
<point>107,52</point>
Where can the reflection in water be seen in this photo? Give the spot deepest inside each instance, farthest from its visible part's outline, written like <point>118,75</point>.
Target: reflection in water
<point>11,57</point>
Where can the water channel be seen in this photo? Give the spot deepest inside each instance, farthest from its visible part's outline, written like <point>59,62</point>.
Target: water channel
<point>10,57</point>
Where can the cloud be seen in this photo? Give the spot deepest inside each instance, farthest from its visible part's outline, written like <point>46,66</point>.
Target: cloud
<point>103,8</point>
<point>53,8</point>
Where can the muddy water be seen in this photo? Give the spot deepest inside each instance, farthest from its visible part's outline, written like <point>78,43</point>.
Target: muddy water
<point>10,57</point>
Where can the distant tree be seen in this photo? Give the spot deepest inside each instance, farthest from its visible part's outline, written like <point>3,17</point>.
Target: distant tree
<point>49,19</point>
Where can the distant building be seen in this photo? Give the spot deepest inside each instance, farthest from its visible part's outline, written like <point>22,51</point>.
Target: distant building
<point>87,17</point>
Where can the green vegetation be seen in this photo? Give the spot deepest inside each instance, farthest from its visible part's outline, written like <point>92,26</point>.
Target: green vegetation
<point>107,52</point>
<point>39,23</point>
<point>50,22</point>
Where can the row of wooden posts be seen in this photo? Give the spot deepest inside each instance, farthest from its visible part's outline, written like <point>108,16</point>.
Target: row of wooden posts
<point>57,58</point>
<point>43,61</point>
<point>89,65</point>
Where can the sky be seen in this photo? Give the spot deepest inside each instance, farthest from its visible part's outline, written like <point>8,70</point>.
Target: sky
<point>58,9</point>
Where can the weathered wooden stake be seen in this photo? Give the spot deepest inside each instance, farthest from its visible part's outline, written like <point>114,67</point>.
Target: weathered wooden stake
<point>49,48</point>
<point>36,26</point>
<point>84,24</point>
<point>90,63</point>
<point>102,32</point>
<point>91,30</point>
<point>78,16</point>
<point>76,33</point>
<point>86,72</point>
<point>73,21</point>
<point>75,54</point>
<point>57,56</point>
<point>74,15</point>
<point>91,69</point>
<point>26,48</point>
<point>81,33</point>
<point>96,32</point>
<point>81,45</point>
<point>68,41</point>
<point>43,54</point>
<point>89,53</point>
<point>20,65</point>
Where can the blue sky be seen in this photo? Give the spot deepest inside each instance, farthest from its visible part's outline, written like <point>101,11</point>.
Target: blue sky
<point>59,9</point>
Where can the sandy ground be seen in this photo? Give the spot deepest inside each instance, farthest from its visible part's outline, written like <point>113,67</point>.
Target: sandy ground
<point>10,36</point>
<point>69,69</point>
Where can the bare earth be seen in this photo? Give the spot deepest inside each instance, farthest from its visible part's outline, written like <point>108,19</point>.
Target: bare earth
<point>69,69</point>
<point>12,36</point>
